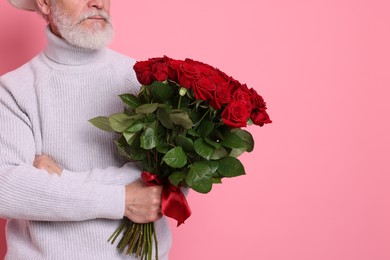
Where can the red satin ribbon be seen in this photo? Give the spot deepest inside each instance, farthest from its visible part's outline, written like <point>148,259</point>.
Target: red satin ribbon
<point>173,201</point>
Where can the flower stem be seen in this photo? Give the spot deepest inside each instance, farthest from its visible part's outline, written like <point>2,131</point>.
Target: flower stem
<point>200,121</point>
<point>155,241</point>
<point>178,105</point>
<point>119,230</point>
<point>137,239</point>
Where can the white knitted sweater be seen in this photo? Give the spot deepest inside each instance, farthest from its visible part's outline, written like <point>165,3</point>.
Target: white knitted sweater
<point>45,106</point>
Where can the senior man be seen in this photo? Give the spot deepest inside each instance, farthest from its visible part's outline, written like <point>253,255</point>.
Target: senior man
<point>45,106</point>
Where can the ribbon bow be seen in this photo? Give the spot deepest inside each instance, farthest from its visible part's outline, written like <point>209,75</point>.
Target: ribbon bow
<point>173,201</point>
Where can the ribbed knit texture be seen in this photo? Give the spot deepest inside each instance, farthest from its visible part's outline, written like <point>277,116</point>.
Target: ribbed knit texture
<point>45,106</point>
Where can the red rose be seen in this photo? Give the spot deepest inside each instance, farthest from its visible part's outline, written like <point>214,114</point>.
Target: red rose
<point>224,75</point>
<point>234,85</point>
<point>160,70</point>
<point>242,94</point>
<point>205,69</point>
<point>143,72</point>
<point>203,89</point>
<point>260,117</point>
<point>221,94</point>
<point>187,75</point>
<point>243,88</point>
<point>173,66</point>
<point>257,100</point>
<point>235,114</point>
<point>258,114</point>
<point>219,80</point>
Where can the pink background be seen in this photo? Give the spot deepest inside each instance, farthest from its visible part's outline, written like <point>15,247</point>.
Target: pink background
<point>317,184</point>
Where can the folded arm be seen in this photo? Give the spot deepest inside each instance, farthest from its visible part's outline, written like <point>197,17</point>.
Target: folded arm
<point>27,192</point>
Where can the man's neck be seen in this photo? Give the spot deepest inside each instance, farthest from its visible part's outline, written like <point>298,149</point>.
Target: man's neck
<point>62,52</point>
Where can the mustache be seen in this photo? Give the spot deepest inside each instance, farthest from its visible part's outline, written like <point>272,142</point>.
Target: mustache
<point>90,14</point>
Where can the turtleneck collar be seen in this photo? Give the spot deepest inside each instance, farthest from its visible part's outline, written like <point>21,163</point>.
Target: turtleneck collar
<point>62,52</point>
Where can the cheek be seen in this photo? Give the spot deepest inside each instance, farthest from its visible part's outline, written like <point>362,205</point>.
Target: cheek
<point>72,8</point>
<point>107,6</point>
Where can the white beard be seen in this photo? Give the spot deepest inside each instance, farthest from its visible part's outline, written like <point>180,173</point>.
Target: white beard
<point>74,33</point>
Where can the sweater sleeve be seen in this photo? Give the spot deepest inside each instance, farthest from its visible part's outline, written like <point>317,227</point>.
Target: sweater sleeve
<point>30,193</point>
<point>110,175</point>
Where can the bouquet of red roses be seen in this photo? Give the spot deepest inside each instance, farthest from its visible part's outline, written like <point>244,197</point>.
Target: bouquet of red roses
<point>184,127</point>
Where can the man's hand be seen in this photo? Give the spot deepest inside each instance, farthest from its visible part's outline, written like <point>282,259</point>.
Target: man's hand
<point>143,203</point>
<point>44,162</point>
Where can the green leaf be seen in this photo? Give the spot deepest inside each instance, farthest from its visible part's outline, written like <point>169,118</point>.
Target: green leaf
<point>206,127</point>
<point>102,123</point>
<point>176,158</point>
<point>150,120</point>
<point>138,155</point>
<point>147,108</point>
<point>120,122</point>
<point>232,140</point>
<point>200,177</point>
<point>176,177</point>
<point>129,136</point>
<point>161,91</point>
<point>128,111</point>
<point>236,152</point>
<point>203,149</point>
<point>162,148</point>
<point>212,143</point>
<point>213,165</point>
<point>130,100</point>
<point>193,132</point>
<point>143,95</point>
<point>122,150</point>
<point>230,167</point>
<point>247,137</point>
<point>217,180</point>
<point>163,117</point>
<point>135,126</point>
<point>185,142</point>
<point>136,142</point>
<point>180,117</point>
<point>149,138</point>
<point>219,153</point>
